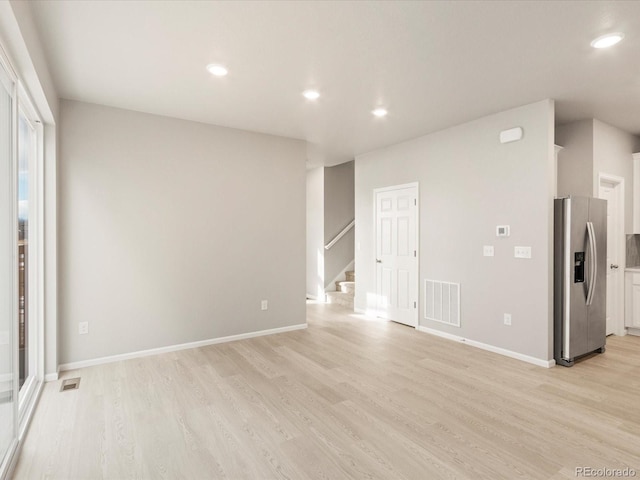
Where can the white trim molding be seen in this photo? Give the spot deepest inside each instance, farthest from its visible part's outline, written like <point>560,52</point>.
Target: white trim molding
<point>489,348</point>
<point>52,377</point>
<point>618,327</point>
<point>175,348</point>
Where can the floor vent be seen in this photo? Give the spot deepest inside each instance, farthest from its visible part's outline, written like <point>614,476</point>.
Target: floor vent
<point>442,302</point>
<point>70,384</point>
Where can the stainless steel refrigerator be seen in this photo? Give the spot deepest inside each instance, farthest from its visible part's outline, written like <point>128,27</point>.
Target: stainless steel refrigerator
<point>580,289</point>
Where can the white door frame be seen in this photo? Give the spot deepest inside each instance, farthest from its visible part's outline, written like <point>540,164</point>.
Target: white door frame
<point>415,185</point>
<point>618,328</point>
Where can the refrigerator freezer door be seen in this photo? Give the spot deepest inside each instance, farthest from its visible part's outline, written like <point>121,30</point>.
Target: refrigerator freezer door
<point>575,334</point>
<point>597,311</point>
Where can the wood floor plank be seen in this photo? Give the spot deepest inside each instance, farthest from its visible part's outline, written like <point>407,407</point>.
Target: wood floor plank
<point>350,397</point>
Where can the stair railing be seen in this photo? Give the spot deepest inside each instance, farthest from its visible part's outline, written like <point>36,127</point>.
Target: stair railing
<point>342,233</point>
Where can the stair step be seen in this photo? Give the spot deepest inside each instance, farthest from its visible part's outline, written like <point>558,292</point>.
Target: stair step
<point>339,298</point>
<point>351,276</point>
<point>346,287</point>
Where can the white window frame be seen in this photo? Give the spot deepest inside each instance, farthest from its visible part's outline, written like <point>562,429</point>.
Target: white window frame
<point>36,257</point>
<point>5,466</point>
<point>25,399</point>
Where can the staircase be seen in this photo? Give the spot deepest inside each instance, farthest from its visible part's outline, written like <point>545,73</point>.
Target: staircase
<point>345,291</point>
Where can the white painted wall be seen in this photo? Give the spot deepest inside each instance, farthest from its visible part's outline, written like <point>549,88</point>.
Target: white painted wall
<point>20,36</point>
<point>469,183</point>
<point>315,232</point>
<point>173,231</point>
<point>339,211</point>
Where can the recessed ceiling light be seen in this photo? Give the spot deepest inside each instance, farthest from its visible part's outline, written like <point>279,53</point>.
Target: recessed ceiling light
<point>607,40</point>
<point>217,70</point>
<point>379,112</point>
<point>311,94</point>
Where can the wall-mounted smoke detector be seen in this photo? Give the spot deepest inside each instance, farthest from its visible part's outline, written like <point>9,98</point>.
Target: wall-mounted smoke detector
<point>511,135</point>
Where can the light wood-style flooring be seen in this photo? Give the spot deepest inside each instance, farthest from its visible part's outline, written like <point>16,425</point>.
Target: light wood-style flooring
<point>346,398</point>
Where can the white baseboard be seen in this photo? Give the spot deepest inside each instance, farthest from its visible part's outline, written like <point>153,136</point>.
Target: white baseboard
<point>490,348</point>
<point>633,331</point>
<point>175,348</point>
<point>52,377</point>
<point>312,297</point>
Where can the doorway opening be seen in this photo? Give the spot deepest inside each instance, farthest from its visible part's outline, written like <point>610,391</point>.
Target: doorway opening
<point>611,189</point>
<point>396,222</point>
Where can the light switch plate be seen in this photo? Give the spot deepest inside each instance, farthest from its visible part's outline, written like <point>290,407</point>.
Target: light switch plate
<point>522,252</point>
<point>83,328</point>
<point>487,250</point>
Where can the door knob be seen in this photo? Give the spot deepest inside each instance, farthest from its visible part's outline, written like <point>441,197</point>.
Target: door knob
<point>614,267</point>
<point>378,260</point>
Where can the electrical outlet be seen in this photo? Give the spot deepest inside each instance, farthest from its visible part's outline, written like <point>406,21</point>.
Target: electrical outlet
<point>487,250</point>
<point>522,252</point>
<point>264,305</point>
<point>507,319</point>
<point>83,328</point>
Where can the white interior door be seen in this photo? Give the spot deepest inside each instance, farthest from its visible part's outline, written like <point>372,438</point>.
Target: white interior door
<point>397,254</point>
<point>611,192</point>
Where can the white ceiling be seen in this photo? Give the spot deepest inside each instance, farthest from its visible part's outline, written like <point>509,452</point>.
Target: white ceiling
<point>432,64</point>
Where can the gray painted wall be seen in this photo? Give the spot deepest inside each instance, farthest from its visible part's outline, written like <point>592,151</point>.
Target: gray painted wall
<point>174,231</point>
<point>592,147</point>
<point>612,154</point>
<point>339,211</point>
<point>469,183</point>
<point>315,232</point>
<point>575,160</point>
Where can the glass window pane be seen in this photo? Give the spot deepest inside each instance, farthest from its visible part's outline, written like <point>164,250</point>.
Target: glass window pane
<point>26,144</point>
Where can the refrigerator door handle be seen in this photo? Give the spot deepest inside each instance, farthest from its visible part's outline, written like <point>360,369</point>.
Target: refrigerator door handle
<point>593,259</point>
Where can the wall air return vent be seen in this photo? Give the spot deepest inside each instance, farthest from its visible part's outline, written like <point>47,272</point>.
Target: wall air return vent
<point>442,302</point>
<point>70,384</point>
